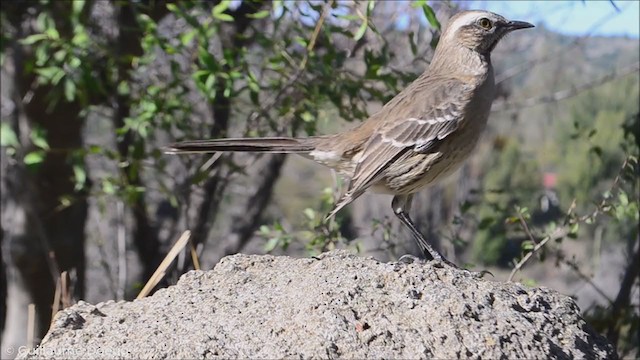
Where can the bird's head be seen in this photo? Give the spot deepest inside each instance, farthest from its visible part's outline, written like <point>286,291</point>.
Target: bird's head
<point>479,30</point>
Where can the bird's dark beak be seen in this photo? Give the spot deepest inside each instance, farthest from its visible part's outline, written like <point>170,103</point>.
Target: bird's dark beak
<point>517,25</point>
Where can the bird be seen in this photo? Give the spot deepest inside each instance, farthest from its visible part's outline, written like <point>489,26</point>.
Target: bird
<point>419,137</point>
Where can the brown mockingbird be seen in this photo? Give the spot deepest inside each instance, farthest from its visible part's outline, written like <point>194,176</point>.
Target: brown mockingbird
<point>420,136</point>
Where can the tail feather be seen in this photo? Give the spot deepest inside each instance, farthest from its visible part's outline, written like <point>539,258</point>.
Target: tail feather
<point>344,200</point>
<point>269,145</point>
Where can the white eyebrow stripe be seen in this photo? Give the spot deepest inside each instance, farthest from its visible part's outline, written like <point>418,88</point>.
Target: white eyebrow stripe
<point>463,20</point>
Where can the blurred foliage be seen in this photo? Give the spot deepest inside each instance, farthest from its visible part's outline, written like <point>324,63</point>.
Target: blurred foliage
<point>591,145</point>
<point>272,79</point>
<point>512,179</point>
<point>594,155</point>
<point>145,74</point>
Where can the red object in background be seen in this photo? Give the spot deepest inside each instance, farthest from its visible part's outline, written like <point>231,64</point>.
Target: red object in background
<point>549,180</point>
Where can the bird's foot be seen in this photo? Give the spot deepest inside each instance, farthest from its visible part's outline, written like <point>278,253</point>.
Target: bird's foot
<point>410,259</point>
<point>477,274</point>
<point>473,274</point>
<point>441,263</point>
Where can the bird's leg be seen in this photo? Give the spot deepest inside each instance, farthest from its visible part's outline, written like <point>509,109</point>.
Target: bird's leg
<point>401,205</point>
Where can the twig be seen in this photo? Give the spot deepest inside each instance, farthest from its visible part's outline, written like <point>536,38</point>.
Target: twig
<point>164,265</point>
<point>584,277</point>
<point>314,35</point>
<point>194,256</point>
<point>57,295</point>
<point>567,93</point>
<point>31,325</point>
<point>561,232</point>
<point>65,284</point>
<point>613,186</point>
<point>264,110</point>
<point>558,233</point>
<point>121,234</point>
<point>614,5</point>
<point>525,227</point>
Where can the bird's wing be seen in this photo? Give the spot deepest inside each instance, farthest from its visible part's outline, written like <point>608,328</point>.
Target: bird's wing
<point>413,124</point>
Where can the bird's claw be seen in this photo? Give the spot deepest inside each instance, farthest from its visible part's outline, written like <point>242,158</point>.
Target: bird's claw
<point>441,263</point>
<point>409,259</point>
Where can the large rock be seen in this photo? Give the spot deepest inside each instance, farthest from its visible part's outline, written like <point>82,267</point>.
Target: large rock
<point>334,306</point>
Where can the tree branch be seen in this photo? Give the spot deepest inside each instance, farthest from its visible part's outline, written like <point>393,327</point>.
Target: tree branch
<point>565,94</point>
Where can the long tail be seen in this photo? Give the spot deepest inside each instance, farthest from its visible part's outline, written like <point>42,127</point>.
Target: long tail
<point>269,145</point>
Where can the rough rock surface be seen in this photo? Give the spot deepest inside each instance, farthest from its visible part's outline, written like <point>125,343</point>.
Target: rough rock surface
<point>335,306</point>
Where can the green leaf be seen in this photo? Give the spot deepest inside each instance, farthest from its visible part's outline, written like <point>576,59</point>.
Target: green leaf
<point>75,62</point>
<point>309,213</point>
<point>264,230</point>
<point>431,16</point>
<point>94,149</point>
<point>80,37</point>
<point>186,38</point>
<point>223,17</point>
<point>8,136</point>
<point>172,7</point>
<point>210,82</point>
<point>623,198</point>
<point>38,137</point>
<point>49,72</point>
<point>207,59</point>
<point>123,88</point>
<point>512,220</point>
<point>173,200</point>
<point>34,157</point>
<point>370,5</point>
<point>69,90</point>
<point>32,39</point>
<point>361,30</point>
<point>412,43</point>
<point>218,11</point>
<point>80,176</point>
<point>307,117</point>
<point>574,228</point>
<point>527,245</point>
<point>221,7</point>
<point>486,222</point>
<point>66,201</point>
<point>52,33</point>
<point>77,6</point>
<point>349,17</point>
<point>108,187</point>
<point>259,15</point>
<point>523,210</point>
<point>271,244</point>
<point>253,83</point>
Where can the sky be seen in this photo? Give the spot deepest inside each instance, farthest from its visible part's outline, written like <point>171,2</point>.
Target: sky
<point>595,17</point>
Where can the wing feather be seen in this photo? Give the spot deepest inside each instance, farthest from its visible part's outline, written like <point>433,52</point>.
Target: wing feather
<point>418,130</point>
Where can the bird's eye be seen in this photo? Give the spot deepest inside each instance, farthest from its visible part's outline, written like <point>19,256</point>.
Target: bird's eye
<point>485,23</point>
